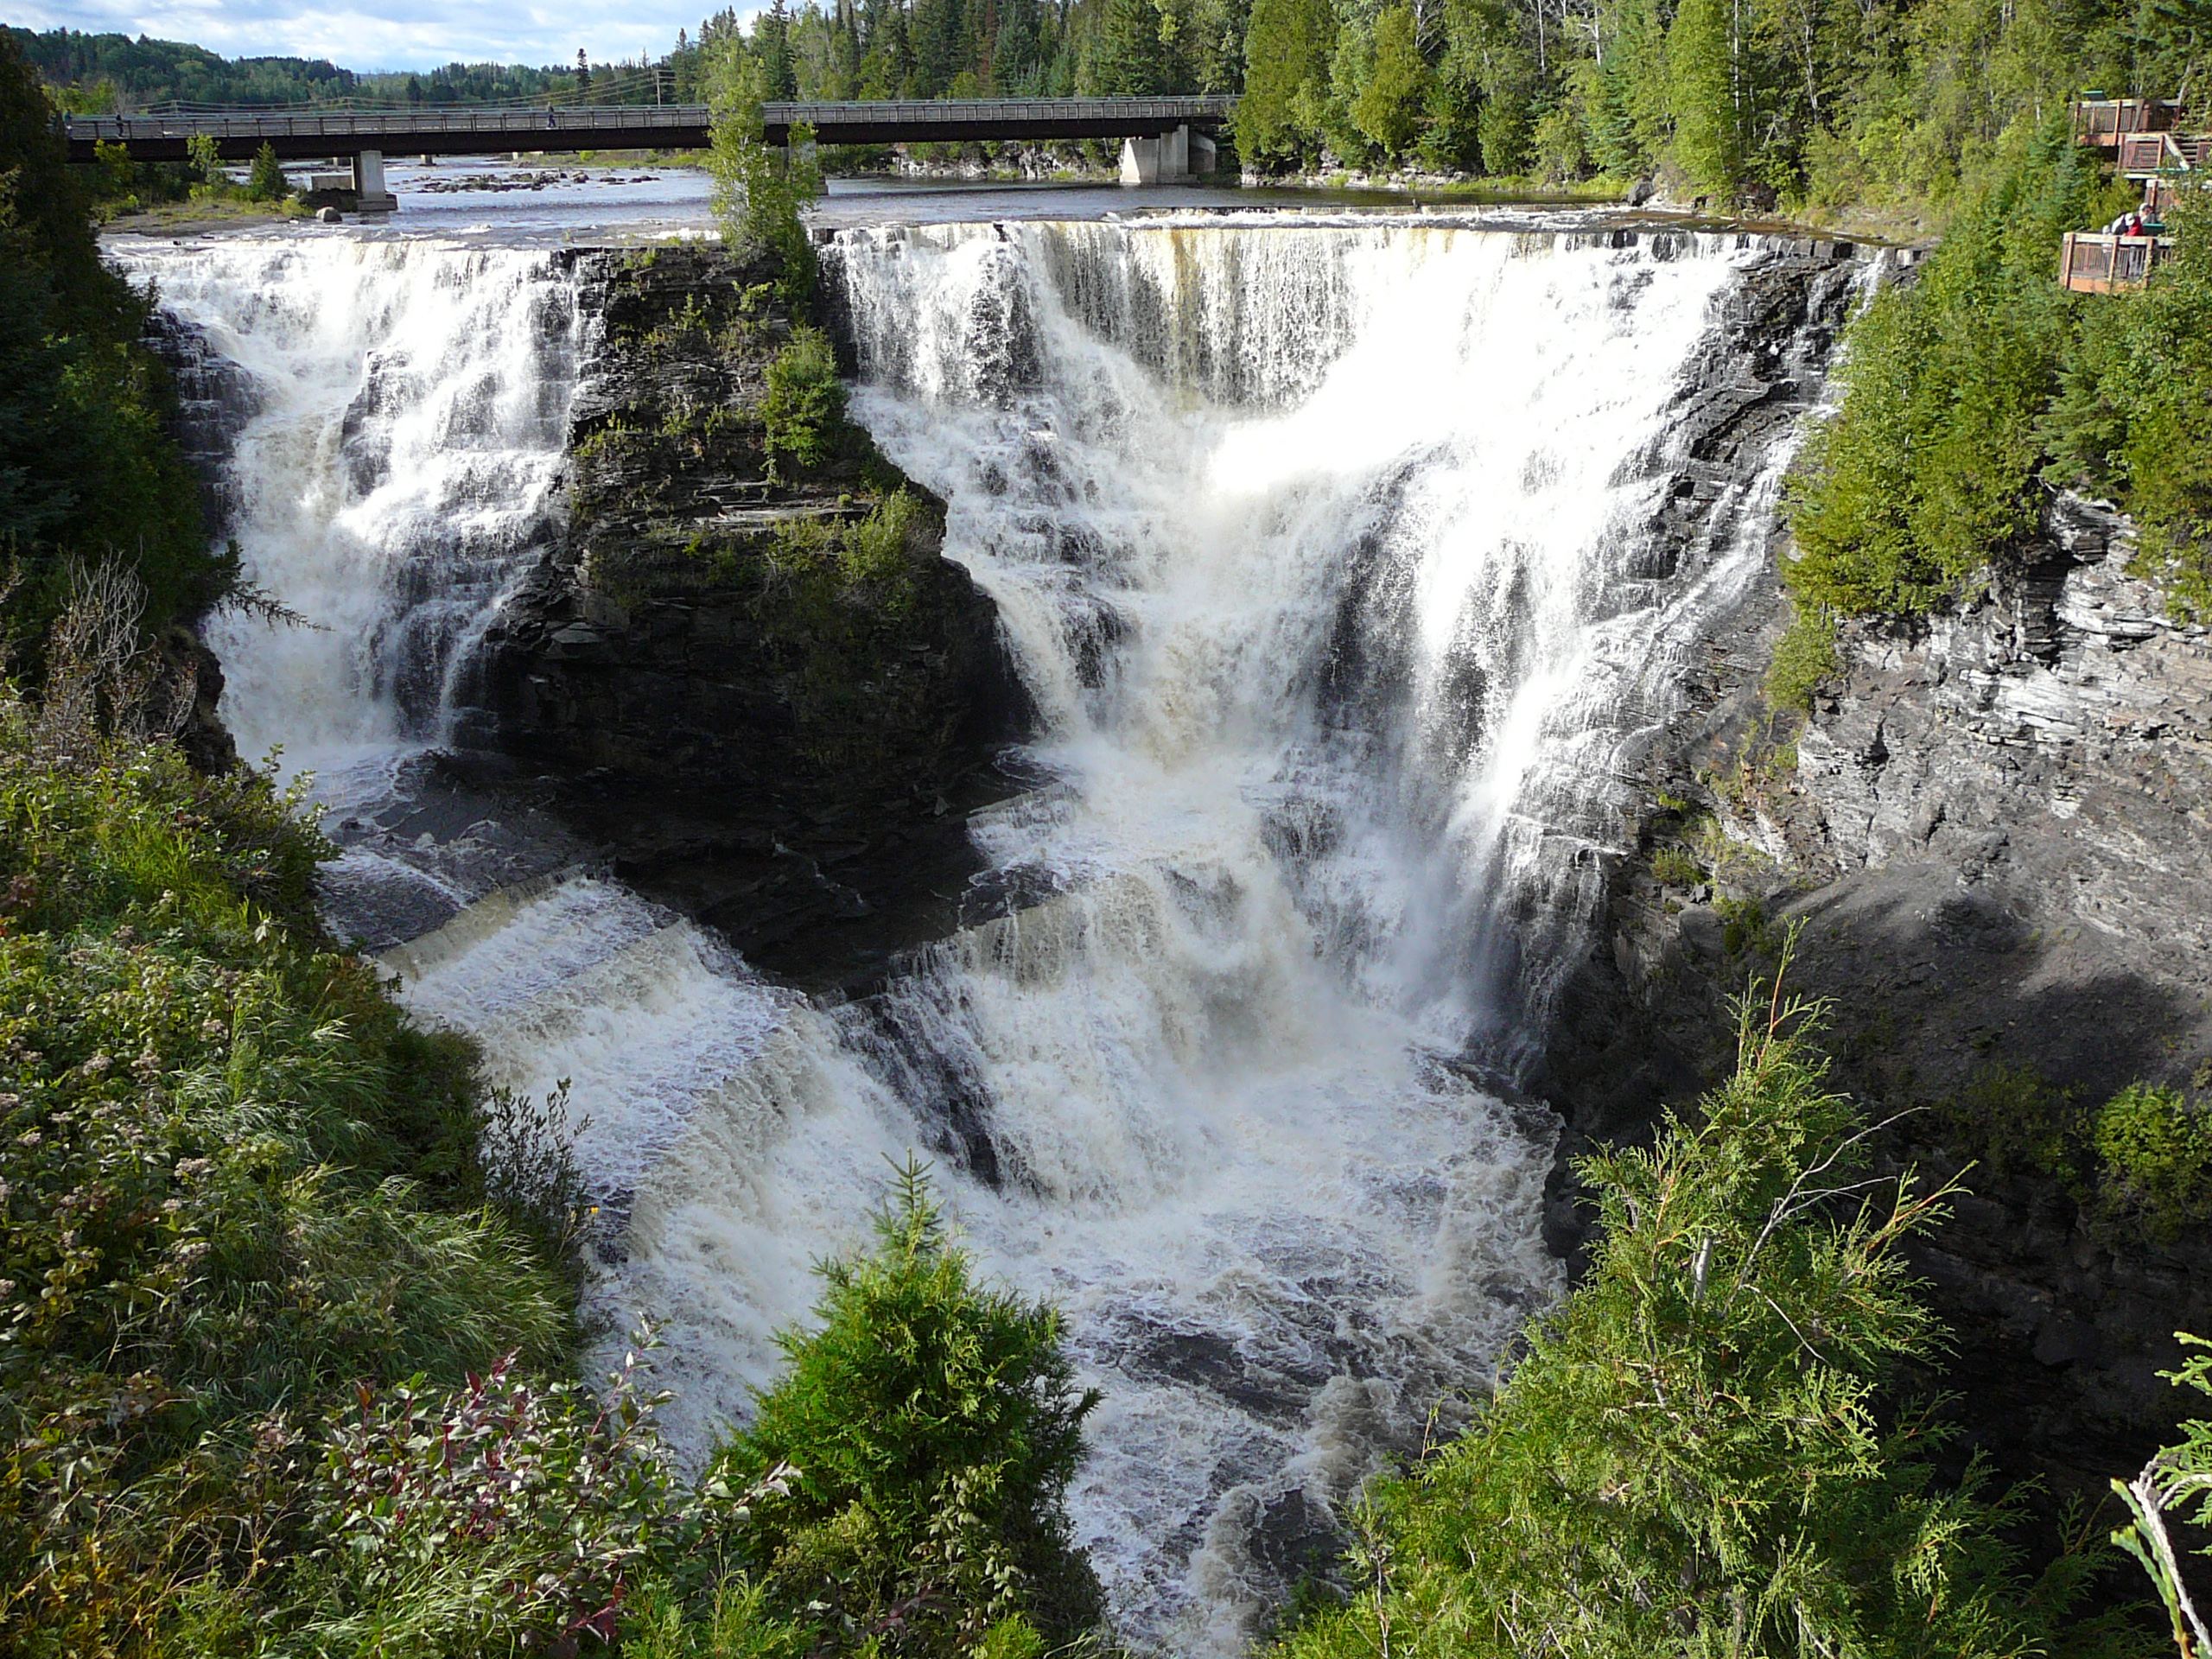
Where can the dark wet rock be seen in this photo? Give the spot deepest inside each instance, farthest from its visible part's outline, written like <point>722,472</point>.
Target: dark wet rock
<point>751,721</point>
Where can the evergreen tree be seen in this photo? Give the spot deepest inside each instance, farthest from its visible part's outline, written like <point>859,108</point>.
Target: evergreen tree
<point>1128,57</point>
<point>772,40</point>
<point>1287,50</point>
<point>1703,55</point>
<point>266,182</point>
<point>1388,108</point>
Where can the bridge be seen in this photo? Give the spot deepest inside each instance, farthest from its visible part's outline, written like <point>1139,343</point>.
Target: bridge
<point>1164,139</point>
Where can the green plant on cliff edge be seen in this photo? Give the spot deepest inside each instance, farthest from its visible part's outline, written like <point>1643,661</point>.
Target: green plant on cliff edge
<point>803,406</point>
<point>1693,1457</point>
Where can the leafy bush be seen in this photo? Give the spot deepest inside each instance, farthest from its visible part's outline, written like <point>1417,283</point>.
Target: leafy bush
<point>87,472</point>
<point>2157,1151</point>
<point>507,1512</point>
<point>934,1427</point>
<point>802,408</point>
<point>1676,868</point>
<point>234,1182</point>
<point>1690,1457</point>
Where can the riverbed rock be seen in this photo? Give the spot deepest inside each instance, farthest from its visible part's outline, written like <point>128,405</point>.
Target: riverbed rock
<point>760,685</point>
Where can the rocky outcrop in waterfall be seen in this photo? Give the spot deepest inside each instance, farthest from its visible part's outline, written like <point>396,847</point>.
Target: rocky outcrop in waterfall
<point>1989,829</point>
<point>752,677</point>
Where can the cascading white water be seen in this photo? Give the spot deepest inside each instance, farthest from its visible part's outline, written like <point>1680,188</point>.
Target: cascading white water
<point>399,430</point>
<point>393,473</point>
<point>1326,555</point>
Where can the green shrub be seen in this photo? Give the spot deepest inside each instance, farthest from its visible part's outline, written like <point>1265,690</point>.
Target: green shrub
<point>233,1180</point>
<point>506,1513</point>
<point>934,1427</point>
<point>802,408</point>
<point>1804,657</point>
<point>2157,1151</point>
<point>2013,1118</point>
<point>265,182</point>
<point>2133,420</point>
<point>1676,868</point>
<point>1691,1458</point>
<point>87,472</point>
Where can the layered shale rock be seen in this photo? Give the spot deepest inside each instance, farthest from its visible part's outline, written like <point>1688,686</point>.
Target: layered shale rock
<point>1991,830</point>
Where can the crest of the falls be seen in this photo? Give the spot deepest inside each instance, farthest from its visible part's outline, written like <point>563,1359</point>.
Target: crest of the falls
<point>1328,555</point>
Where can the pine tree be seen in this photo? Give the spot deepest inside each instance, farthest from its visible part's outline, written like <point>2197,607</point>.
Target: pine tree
<point>1702,62</point>
<point>1286,55</point>
<point>1388,108</point>
<point>1127,57</point>
<point>266,182</point>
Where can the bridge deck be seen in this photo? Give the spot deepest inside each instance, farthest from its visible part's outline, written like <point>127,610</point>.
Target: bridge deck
<point>295,135</point>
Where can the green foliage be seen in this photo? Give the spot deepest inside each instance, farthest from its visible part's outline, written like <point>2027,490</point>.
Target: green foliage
<point>2156,1152</point>
<point>1287,51</point>
<point>2014,1119</point>
<point>2176,1477</point>
<point>1691,1456</point>
<point>1931,467</point>
<point>1677,868</point>
<point>233,1180</point>
<point>2134,419</point>
<point>933,1425</point>
<point>506,1513</point>
<point>803,407</point>
<point>205,163</point>
<point>1389,107</point>
<point>1804,657</point>
<point>265,182</point>
<point>1707,95</point>
<point>87,472</point>
<point>758,192</point>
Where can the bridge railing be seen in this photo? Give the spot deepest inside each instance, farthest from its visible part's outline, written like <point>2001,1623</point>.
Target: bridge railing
<point>401,123</point>
<point>1014,112</point>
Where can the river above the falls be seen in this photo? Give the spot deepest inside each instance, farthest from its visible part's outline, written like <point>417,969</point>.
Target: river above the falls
<point>1345,558</point>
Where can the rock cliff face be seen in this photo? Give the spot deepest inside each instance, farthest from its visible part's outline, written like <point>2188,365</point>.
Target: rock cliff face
<point>753,679</point>
<point>1991,829</point>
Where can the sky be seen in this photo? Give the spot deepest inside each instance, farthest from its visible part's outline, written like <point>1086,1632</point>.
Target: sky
<point>390,34</point>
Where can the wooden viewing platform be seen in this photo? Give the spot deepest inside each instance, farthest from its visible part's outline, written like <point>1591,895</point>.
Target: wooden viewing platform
<point>2101,122</point>
<point>2089,262</point>
<point>2145,155</point>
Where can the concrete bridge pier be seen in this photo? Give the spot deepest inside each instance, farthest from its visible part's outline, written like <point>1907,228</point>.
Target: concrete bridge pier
<point>368,184</point>
<point>1174,157</point>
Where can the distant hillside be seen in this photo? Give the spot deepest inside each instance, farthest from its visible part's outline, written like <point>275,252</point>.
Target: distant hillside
<point>98,72</point>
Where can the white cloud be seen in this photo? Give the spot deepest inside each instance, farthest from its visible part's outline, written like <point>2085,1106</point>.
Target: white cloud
<point>397,34</point>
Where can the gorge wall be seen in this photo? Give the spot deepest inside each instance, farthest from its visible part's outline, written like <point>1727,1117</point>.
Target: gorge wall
<point>1991,830</point>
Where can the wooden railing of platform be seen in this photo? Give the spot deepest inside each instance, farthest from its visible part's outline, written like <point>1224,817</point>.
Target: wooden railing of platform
<point>2091,263</point>
<point>2103,122</point>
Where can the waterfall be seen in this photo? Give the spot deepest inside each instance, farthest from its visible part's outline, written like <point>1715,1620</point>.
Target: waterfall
<point>392,417</point>
<point>1339,562</point>
<point>403,418</point>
